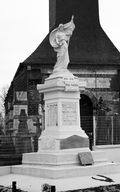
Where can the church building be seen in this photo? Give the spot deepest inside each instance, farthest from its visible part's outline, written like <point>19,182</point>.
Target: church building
<point>93,58</point>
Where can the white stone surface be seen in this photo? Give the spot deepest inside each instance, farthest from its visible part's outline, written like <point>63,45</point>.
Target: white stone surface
<point>33,184</point>
<point>59,39</point>
<point>62,112</point>
<point>66,171</point>
<point>64,157</point>
<point>4,170</point>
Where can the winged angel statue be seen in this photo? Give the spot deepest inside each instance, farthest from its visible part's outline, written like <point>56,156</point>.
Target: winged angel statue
<point>59,39</point>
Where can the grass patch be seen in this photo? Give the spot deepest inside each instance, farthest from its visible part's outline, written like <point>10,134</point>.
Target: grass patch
<point>9,189</point>
<point>109,188</point>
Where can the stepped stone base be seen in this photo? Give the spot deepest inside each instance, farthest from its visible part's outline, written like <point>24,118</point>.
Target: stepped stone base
<point>58,158</point>
<point>56,172</point>
<point>63,164</point>
<point>63,142</point>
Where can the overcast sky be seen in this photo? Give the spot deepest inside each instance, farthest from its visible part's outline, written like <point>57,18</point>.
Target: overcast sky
<point>24,24</point>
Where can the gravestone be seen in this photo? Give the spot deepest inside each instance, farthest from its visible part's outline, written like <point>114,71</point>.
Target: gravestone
<point>23,139</point>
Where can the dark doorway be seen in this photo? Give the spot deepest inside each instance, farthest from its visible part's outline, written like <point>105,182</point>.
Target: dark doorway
<point>86,117</point>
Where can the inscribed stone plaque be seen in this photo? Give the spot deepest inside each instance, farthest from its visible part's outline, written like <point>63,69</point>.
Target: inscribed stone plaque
<point>85,158</point>
<point>69,113</point>
<point>52,114</point>
<point>69,86</point>
<point>73,142</point>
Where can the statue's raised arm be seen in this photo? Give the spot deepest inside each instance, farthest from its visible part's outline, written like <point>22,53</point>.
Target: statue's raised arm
<point>59,40</point>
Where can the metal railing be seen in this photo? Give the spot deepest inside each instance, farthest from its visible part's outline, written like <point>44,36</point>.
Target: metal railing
<point>18,144</point>
<point>107,130</point>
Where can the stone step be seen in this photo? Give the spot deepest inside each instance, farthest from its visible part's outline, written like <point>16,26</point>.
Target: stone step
<point>102,160</point>
<point>99,156</point>
<point>55,172</point>
<point>63,158</point>
<point>50,158</point>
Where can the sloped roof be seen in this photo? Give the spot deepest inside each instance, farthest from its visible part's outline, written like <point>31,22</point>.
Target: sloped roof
<point>89,43</point>
<point>95,49</point>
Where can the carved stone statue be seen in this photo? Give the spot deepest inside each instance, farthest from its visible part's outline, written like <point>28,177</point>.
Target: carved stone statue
<point>59,40</point>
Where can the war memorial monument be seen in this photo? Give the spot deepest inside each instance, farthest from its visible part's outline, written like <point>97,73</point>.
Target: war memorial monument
<point>63,150</point>
<point>77,69</point>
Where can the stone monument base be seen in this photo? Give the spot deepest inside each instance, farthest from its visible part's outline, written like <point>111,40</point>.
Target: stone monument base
<point>62,113</point>
<point>63,138</point>
<point>63,164</point>
<point>54,158</point>
<point>55,144</point>
<point>74,142</point>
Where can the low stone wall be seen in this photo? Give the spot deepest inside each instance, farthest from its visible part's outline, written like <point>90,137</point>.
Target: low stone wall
<point>5,170</point>
<point>112,152</point>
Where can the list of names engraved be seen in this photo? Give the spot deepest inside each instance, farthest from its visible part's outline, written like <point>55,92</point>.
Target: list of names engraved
<point>52,114</point>
<point>69,113</point>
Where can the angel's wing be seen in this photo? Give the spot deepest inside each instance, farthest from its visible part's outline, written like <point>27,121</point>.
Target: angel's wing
<point>52,37</point>
<point>67,29</point>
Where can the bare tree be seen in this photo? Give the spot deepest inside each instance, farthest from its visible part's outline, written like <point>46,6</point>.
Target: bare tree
<point>3,93</point>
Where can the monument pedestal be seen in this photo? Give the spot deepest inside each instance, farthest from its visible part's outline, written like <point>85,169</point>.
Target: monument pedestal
<point>62,113</point>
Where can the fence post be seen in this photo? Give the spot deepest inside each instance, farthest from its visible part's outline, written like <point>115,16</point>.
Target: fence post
<point>14,186</point>
<point>112,139</point>
<point>94,132</point>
